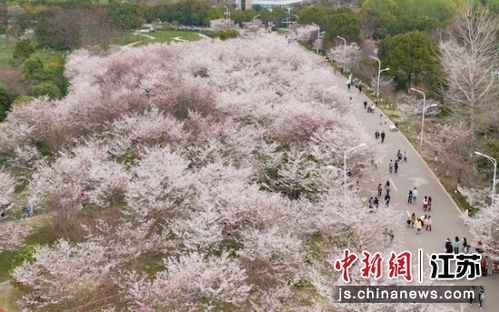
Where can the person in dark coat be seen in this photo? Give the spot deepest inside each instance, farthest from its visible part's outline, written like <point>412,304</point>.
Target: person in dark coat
<point>448,246</point>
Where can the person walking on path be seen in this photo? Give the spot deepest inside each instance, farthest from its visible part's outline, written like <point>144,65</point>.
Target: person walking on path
<point>448,246</point>
<point>481,297</point>
<point>428,223</point>
<point>405,156</point>
<point>387,187</point>
<point>409,198</point>
<point>396,166</point>
<point>419,226</point>
<point>390,166</point>
<point>455,245</point>
<point>413,219</point>
<point>466,247</point>
<point>382,136</point>
<point>360,87</point>
<point>429,203</point>
<point>387,200</point>
<point>425,203</point>
<point>399,155</point>
<point>380,190</point>
<point>365,104</point>
<point>414,195</point>
<point>376,135</point>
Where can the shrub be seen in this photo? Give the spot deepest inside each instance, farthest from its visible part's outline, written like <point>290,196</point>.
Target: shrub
<point>226,34</point>
<point>32,64</point>
<point>23,49</point>
<point>47,88</point>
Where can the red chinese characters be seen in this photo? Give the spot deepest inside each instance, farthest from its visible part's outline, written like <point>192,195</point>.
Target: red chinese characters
<point>400,265</point>
<point>345,263</point>
<point>372,266</point>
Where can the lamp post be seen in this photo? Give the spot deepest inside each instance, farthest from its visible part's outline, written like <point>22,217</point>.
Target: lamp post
<point>494,180</point>
<point>345,154</point>
<point>344,40</point>
<point>379,72</point>
<point>423,114</point>
<point>319,35</point>
<point>227,16</point>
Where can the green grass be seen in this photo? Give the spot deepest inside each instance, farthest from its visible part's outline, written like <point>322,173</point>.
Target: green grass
<point>5,264</point>
<point>46,54</point>
<point>6,51</point>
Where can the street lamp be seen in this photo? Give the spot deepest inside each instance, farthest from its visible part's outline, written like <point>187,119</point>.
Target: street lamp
<point>227,16</point>
<point>423,114</point>
<point>319,35</point>
<point>494,180</point>
<point>344,40</point>
<point>345,154</point>
<point>379,72</point>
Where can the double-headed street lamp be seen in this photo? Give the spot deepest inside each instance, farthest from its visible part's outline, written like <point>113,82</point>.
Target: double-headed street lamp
<point>320,35</point>
<point>379,72</point>
<point>494,180</point>
<point>345,154</point>
<point>344,40</point>
<point>423,113</point>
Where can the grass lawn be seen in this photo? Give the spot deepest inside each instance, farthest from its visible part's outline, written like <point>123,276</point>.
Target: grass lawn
<point>6,50</point>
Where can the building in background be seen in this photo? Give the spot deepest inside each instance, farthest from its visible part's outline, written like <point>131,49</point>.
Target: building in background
<point>268,4</point>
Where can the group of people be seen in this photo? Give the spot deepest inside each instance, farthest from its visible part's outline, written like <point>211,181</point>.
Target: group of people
<point>424,221</point>
<point>393,166</point>
<point>378,135</point>
<point>373,201</point>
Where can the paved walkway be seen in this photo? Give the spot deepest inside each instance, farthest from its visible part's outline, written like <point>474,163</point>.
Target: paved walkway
<point>415,173</point>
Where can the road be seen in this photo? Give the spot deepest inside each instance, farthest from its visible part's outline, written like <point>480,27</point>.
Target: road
<point>415,173</point>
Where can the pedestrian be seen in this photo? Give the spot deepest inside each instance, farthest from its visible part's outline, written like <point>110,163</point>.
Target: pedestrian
<point>428,223</point>
<point>419,226</point>
<point>399,155</point>
<point>409,198</point>
<point>387,187</point>
<point>455,245</point>
<point>429,203</point>
<point>376,135</point>
<point>390,166</point>
<point>349,84</point>
<point>425,203</point>
<point>448,246</point>
<point>370,202</point>
<point>392,236</point>
<point>405,156</point>
<point>380,189</point>
<point>413,219</point>
<point>396,166</point>
<point>376,202</point>
<point>414,195</point>
<point>480,248</point>
<point>466,247</point>
<point>481,297</point>
<point>360,87</point>
<point>387,200</point>
<point>365,104</point>
<point>380,119</point>
<point>382,136</point>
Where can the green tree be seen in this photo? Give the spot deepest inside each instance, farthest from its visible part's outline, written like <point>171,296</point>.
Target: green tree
<point>125,15</point>
<point>5,103</point>
<point>57,30</point>
<point>411,55</point>
<point>46,88</point>
<point>23,49</point>
<point>345,23</point>
<point>32,64</point>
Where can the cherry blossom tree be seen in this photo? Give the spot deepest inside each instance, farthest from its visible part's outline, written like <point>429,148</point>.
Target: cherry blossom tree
<point>7,184</point>
<point>346,56</point>
<point>470,58</point>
